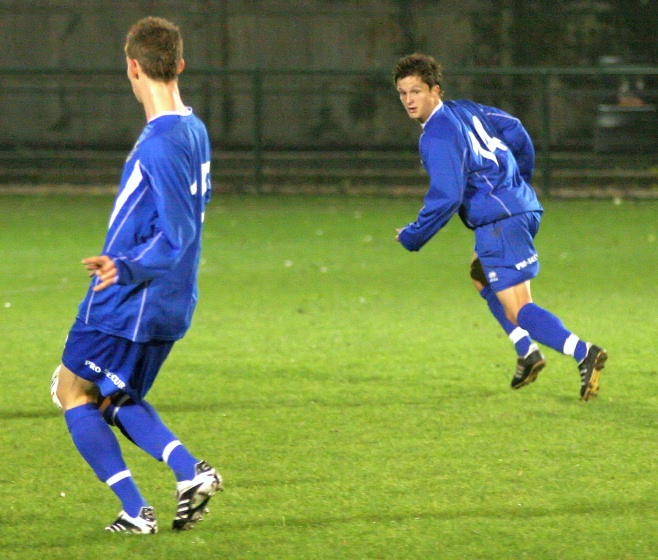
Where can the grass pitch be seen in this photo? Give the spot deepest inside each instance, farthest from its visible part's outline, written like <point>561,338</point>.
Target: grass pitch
<point>354,396</point>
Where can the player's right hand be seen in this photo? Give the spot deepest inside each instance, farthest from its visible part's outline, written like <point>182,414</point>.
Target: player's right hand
<point>104,268</point>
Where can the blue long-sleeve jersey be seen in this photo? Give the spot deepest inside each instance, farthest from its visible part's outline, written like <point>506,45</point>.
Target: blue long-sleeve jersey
<point>154,235</point>
<point>480,162</point>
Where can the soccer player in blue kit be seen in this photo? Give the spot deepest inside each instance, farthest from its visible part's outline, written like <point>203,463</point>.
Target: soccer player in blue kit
<point>143,292</point>
<point>480,162</point>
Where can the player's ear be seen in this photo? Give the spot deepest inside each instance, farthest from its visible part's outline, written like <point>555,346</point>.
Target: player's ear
<point>133,67</point>
<point>181,66</point>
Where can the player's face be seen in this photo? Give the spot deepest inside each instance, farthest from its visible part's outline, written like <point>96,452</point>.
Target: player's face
<point>417,97</point>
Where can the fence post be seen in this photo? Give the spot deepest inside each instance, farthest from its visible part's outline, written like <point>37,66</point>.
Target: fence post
<point>258,129</point>
<point>546,132</point>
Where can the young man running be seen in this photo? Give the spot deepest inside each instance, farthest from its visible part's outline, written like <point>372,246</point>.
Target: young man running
<point>480,162</point>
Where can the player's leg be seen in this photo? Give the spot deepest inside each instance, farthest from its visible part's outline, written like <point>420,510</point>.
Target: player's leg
<point>543,326</point>
<point>546,328</point>
<point>516,334</point>
<point>140,422</point>
<point>197,481</point>
<point>512,260</point>
<point>98,445</point>
<point>530,361</point>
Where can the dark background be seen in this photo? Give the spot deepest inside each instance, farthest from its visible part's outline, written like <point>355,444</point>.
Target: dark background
<point>270,75</point>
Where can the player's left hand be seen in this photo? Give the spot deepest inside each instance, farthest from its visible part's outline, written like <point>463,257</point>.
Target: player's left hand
<point>104,268</point>
<point>398,230</point>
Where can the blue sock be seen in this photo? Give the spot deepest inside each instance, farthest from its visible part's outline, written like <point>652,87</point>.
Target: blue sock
<point>98,445</point>
<point>517,335</point>
<point>180,461</point>
<point>546,328</point>
<point>140,422</point>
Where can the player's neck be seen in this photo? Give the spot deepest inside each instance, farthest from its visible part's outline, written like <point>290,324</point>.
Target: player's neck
<point>436,108</point>
<point>161,98</point>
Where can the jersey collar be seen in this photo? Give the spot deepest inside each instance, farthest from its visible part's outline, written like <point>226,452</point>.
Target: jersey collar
<point>184,113</point>
<point>433,112</point>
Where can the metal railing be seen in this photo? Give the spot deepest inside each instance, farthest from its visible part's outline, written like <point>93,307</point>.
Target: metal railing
<point>262,110</point>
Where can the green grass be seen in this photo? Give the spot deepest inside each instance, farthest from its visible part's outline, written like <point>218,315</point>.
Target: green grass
<point>354,396</point>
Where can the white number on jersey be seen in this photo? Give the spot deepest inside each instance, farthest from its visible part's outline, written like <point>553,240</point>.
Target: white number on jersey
<point>492,143</point>
<point>205,180</point>
<point>205,177</point>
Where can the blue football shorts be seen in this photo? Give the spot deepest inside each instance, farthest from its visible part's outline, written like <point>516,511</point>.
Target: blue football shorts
<point>507,251</point>
<point>113,363</point>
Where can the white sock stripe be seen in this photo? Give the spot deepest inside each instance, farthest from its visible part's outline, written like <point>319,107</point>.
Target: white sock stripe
<point>570,345</point>
<point>169,448</point>
<point>517,334</point>
<point>118,477</point>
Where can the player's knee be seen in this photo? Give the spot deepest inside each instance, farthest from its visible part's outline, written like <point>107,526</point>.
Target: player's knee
<point>110,408</point>
<point>111,405</point>
<point>477,275</point>
<point>67,390</point>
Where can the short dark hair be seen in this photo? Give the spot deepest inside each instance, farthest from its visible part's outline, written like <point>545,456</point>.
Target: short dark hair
<point>421,65</point>
<point>157,45</point>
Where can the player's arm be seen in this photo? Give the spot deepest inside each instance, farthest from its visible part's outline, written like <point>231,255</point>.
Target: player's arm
<point>174,225</point>
<point>443,161</point>
<point>512,132</point>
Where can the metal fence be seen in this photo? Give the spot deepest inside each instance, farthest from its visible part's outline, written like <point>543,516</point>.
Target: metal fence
<point>601,110</point>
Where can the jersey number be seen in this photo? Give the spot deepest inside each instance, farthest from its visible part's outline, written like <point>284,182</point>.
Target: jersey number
<point>205,180</point>
<point>491,144</point>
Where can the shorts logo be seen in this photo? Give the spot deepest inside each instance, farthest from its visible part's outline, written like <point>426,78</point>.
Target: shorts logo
<point>530,260</point>
<point>493,277</point>
<point>111,376</point>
